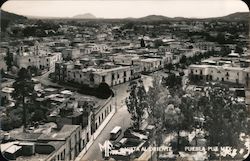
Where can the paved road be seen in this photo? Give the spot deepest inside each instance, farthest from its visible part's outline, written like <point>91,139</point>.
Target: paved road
<point>120,118</point>
<point>45,80</point>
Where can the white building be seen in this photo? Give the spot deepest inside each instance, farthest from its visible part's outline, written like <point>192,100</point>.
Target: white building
<point>127,59</point>
<point>36,57</point>
<point>151,64</point>
<point>93,75</point>
<point>71,53</point>
<point>223,73</point>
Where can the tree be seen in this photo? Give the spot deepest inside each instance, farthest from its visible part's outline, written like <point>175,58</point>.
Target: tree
<point>2,73</point>
<point>156,100</point>
<point>173,82</point>
<point>104,91</point>
<point>173,120</point>
<point>183,60</point>
<point>239,49</point>
<point>142,43</point>
<point>157,95</point>
<point>33,70</point>
<point>137,102</point>
<point>158,43</point>
<point>225,117</point>
<point>23,93</point>
<point>8,59</point>
<point>169,67</point>
<point>38,115</point>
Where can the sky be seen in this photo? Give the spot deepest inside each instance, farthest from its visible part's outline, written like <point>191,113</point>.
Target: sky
<point>125,8</point>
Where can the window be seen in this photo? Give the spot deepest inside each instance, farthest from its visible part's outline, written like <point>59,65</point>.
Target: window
<point>29,60</point>
<point>118,76</point>
<point>80,76</point>
<point>47,60</point>
<point>62,156</point>
<point>83,143</point>
<point>124,73</point>
<point>103,78</point>
<point>70,143</point>
<point>87,137</point>
<point>113,76</point>
<point>91,77</point>
<point>70,156</point>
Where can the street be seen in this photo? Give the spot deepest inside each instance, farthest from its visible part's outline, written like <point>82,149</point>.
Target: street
<point>120,118</point>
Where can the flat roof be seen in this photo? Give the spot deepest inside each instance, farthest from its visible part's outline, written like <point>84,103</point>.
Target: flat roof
<point>62,134</point>
<point>13,148</point>
<point>150,60</point>
<point>25,136</point>
<point>99,71</point>
<point>8,90</point>
<point>5,146</point>
<point>115,130</point>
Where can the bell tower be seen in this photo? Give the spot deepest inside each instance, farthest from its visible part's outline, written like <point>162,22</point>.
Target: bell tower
<point>20,49</point>
<point>36,50</point>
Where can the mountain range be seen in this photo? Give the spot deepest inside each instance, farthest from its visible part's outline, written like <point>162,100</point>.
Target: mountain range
<point>238,16</point>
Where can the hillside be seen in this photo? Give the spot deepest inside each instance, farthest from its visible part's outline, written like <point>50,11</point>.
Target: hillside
<point>153,18</point>
<point>238,16</point>
<point>85,16</point>
<point>11,16</point>
<point>7,17</point>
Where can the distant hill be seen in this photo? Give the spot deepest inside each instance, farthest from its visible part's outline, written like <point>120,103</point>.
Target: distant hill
<point>85,16</point>
<point>238,16</point>
<point>153,18</point>
<point>11,16</point>
<point>7,17</point>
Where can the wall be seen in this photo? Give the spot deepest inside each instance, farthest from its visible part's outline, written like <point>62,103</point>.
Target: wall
<point>232,75</point>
